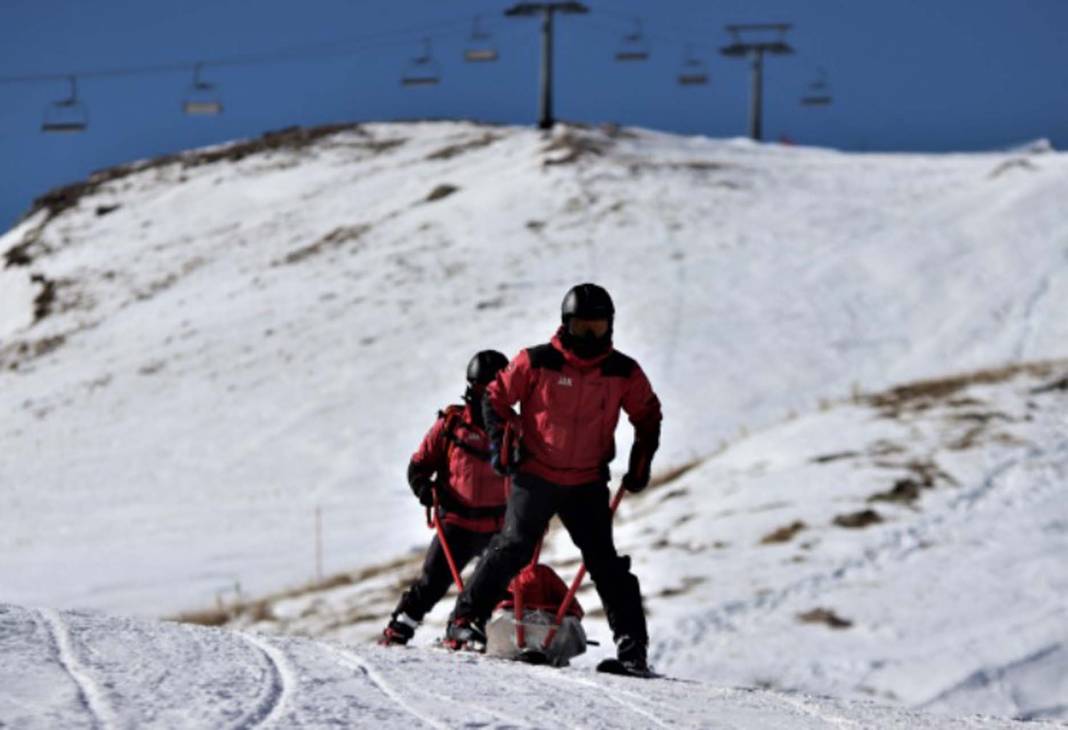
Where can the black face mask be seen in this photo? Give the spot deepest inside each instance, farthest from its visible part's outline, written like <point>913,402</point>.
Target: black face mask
<point>588,346</point>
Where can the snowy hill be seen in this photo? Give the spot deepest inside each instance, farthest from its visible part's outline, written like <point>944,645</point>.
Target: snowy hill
<point>198,352</point>
<point>905,546</point>
<point>75,670</point>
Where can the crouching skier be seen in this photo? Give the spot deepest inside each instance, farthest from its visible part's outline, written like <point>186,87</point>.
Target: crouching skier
<point>452,463</point>
<point>570,393</point>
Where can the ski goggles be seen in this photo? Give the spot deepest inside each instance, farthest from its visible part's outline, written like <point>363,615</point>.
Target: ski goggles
<point>588,327</point>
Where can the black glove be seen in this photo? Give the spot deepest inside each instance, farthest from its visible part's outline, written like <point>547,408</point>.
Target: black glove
<point>635,483</point>
<point>495,460</point>
<point>423,488</point>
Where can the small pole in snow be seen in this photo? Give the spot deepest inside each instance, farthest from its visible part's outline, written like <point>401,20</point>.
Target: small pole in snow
<point>318,544</point>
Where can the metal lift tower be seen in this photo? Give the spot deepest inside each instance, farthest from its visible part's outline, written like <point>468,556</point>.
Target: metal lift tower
<point>547,12</point>
<point>755,51</point>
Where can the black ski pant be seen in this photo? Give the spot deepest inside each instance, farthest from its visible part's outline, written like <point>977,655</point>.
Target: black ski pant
<point>584,510</point>
<point>436,577</point>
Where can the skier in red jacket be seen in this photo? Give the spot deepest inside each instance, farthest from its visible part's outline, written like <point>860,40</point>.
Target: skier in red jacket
<point>454,461</point>
<point>570,393</point>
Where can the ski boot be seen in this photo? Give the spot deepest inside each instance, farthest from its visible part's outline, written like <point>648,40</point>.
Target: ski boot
<point>631,659</point>
<point>399,631</point>
<point>463,634</point>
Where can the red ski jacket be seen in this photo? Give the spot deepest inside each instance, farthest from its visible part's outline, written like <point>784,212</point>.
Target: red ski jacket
<point>455,453</point>
<point>568,411</point>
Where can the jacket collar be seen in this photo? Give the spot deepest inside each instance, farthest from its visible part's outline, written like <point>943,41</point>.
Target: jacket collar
<point>573,359</point>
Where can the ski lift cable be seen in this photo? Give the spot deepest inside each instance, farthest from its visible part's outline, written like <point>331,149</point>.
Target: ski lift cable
<point>620,30</point>
<point>348,46</point>
<point>183,67</point>
<point>626,21</point>
<point>616,33</point>
<point>269,58</point>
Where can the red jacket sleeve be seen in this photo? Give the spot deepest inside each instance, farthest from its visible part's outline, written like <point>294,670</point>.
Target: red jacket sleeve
<point>511,386</point>
<point>430,457</point>
<point>643,409</point>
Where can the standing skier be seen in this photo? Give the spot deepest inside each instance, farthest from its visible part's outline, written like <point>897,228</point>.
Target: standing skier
<point>452,463</point>
<point>570,393</point>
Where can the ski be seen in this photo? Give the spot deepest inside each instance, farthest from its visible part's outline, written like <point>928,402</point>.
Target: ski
<point>532,656</point>
<point>614,666</point>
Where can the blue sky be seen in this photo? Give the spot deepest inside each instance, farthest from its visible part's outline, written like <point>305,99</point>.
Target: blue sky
<point>923,75</point>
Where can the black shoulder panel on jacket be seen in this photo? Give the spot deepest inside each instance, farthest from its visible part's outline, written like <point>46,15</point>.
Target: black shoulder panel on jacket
<point>545,357</point>
<point>618,365</point>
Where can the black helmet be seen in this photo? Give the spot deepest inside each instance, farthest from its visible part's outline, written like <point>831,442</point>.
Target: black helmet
<point>587,301</point>
<point>484,367</point>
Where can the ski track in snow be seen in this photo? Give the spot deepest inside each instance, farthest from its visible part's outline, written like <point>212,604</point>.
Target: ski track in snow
<point>508,720</point>
<point>535,715</point>
<point>354,661</point>
<point>89,692</point>
<point>835,720</point>
<point>612,694</point>
<point>277,690</point>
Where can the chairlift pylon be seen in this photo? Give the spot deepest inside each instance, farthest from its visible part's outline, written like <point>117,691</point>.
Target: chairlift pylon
<point>694,70</point>
<point>202,99</point>
<point>480,46</point>
<point>818,92</point>
<point>67,115</point>
<point>634,46</point>
<point>423,69</point>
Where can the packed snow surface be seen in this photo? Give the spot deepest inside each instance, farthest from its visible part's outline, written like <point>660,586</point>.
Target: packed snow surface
<point>77,670</point>
<point>199,354</point>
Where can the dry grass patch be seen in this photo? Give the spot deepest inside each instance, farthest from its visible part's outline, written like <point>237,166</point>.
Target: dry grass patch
<point>783,534</point>
<point>824,616</point>
<point>570,146</point>
<point>453,150</point>
<point>335,239</point>
<point>260,609</point>
<point>441,191</point>
<point>858,520</point>
<point>923,394</point>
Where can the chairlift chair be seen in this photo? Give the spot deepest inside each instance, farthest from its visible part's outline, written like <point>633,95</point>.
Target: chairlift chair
<point>423,69</point>
<point>694,70</point>
<point>202,99</point>
<point>66,115</point>
<point>818,92</point>
<point>633,47</point>
<point>480,47</point>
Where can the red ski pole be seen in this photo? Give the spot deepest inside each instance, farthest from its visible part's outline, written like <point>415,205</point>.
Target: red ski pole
<point>570,597</point>
<point>436,524</point>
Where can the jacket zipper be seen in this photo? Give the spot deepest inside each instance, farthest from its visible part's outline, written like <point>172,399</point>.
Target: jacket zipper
<point>574,428</point>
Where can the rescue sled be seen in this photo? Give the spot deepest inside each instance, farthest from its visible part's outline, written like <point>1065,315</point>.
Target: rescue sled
<point>537,623</point>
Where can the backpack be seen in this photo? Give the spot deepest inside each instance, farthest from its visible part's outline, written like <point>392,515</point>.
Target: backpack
<point>454,420</point>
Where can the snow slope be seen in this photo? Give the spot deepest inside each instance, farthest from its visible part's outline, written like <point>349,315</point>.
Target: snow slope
<point>76,670</point>
<point>906,546</point>
<point>224,341</point>
<point>244,339</point>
